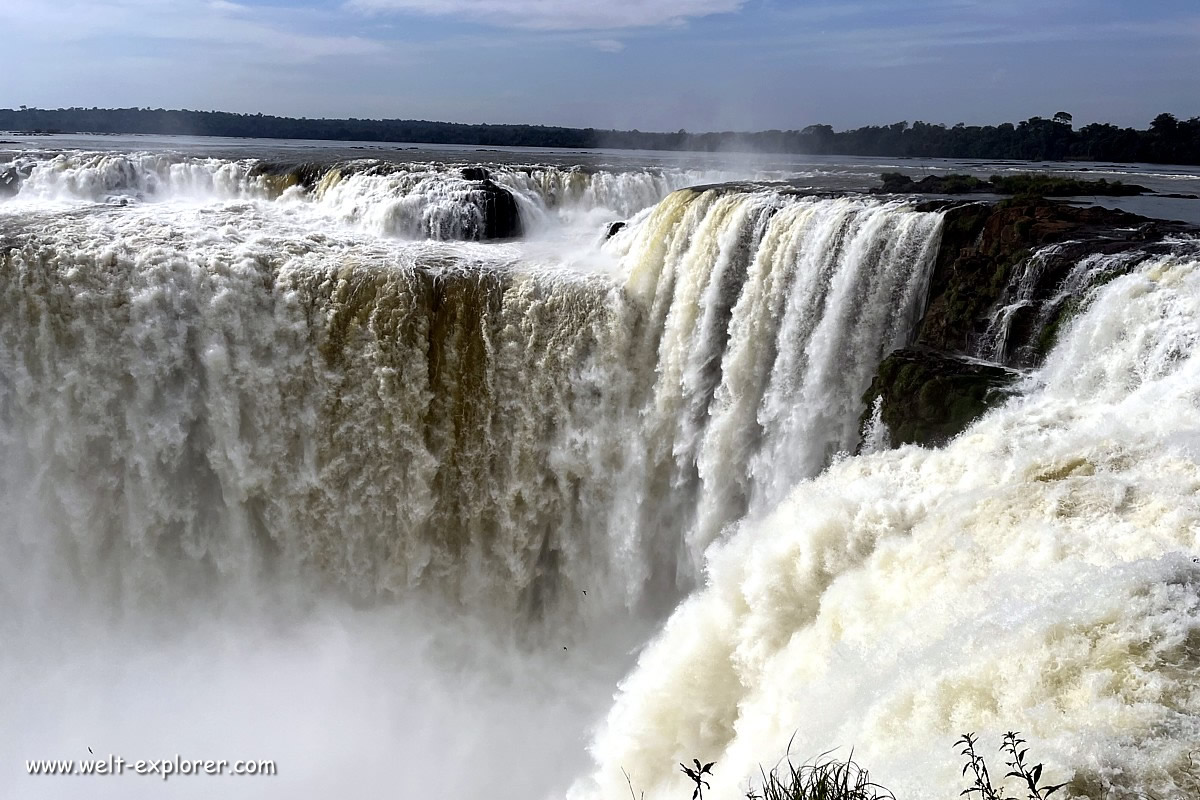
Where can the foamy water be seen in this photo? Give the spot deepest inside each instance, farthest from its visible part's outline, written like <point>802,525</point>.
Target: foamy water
<point>292,473</point>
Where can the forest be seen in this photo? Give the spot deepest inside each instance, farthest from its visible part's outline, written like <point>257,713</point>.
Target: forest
<point>1167,140</point>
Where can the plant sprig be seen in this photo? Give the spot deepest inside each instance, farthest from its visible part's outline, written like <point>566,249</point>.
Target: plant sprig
<point>697,775</point>
<point>1019,768</point>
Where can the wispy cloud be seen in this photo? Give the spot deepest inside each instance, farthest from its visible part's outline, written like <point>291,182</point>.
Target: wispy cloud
<point>560,14</point>
<point>607,45</point>
<point>716,63</point>
<point>264,33</point>
<point>867,43</point>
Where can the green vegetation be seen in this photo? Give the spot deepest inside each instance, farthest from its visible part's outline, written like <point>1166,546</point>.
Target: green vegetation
<point>831,779</point>
<point>899,183</point>
<point>929,397</point>
<point>823,779</point>
<point>1021,185</point>
<point>697,776</point>
<point>1053,186</point>
<point>1167,140</point>
<point>982,787</point>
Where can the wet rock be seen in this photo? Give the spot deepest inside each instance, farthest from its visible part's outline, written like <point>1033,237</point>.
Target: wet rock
<point>280,176</point>
<point>1024,185</point>
<point>501,216</point>
<point>933,390</point>
<point>929,397</point>
<point>1147,232</point>
<point>614,228</point>
<point>983,243</point>
<point>10,182</point>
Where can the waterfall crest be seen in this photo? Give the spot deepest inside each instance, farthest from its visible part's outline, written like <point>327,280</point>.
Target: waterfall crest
<point>505,436</point>
<point>419,200</point>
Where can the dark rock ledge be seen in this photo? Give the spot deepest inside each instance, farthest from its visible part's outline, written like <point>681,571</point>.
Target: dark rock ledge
<point>933,390</point>
<point>930,396</point>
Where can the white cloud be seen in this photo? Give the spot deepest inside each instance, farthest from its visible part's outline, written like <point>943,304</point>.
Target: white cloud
<point>266,34</point>
<point>561,14</point>
<point>608,45</point>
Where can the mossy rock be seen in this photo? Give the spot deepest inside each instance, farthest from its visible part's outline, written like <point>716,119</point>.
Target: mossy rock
<point>929,397</point>
<point>982,244</point>
<point>1023,186</point>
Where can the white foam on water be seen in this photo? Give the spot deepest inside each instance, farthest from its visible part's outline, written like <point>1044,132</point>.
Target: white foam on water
<point>1037,574</point>
<point>285,477</point>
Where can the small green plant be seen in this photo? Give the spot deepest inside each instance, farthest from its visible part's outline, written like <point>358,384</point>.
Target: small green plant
<point>1021,769</point>
<point>981,781</point>
<point>822,779</point>
<point>981,785</point>
<point>697,775</point>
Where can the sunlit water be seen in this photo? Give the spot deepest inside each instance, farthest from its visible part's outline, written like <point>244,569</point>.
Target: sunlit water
<point>294,474</point>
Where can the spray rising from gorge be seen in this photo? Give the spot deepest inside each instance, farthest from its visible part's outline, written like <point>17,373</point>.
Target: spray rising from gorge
<point>310,401</point>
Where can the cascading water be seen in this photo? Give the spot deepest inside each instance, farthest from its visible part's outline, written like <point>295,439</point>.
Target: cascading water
<point>509,434</point>
<point>768,317</point>
<point>101,177</point>
<point>1019,295</point>
<point>279,470</point>
<point>1038,574</point>
<point>407,200</point>
<point>1040,295</point>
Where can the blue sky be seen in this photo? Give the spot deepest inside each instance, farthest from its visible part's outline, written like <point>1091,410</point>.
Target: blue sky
<point>648,64</point>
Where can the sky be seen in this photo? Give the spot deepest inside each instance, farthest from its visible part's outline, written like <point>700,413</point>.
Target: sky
<point>647,64</point>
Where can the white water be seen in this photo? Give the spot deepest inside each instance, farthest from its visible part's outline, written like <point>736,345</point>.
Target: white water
<point>405,200</point>
<point>279,483</point>
<point>1018,295</point>
<point>400,418</point>
<point>774,313</point>
<point>1039,574</point>
<point>1022,293</point>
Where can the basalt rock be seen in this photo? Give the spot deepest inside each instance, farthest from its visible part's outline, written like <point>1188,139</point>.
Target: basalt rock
<point>614,228</point>
<point>929,397</point>
<point>501,216</point>
<point>932,391</point>
<point>983,243</point>
<point>10,182</point>
<point>474,174</point>
<point>1022,185</point>
<point>280,176</point>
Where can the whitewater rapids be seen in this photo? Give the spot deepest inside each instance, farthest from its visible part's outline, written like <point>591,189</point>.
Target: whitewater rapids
<point>1038,574</point>
<point>294,469</point>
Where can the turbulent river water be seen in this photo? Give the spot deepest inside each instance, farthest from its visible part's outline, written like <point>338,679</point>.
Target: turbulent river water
<point>294,468</point>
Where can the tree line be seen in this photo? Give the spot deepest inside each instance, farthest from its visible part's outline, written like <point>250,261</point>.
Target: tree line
<point>1167,140</point>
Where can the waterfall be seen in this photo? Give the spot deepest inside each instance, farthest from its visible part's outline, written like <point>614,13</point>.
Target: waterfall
<point>1036,574</point>
<point>770,313</point>
<point>290,454</point>
<point>507,436</point>
<point>1045,289</point>
<point>408,200</point>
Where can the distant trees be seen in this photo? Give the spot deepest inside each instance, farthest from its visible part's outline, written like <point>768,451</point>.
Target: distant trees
<point>1167,140</point>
